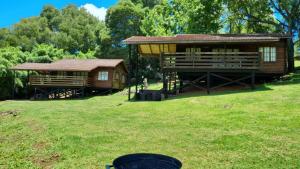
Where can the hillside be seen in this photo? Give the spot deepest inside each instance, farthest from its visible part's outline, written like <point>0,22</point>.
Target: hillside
<point>234,129</point>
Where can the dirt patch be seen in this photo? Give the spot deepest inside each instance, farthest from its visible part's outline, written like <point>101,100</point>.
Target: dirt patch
<point>9,113</point>
<point>47,162</point>
<point>40,145</point>
<point>35,126</point>
<point>228,106</point>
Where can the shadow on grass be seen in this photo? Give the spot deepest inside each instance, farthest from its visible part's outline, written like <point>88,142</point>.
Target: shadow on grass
<point>290,79</point>
<point>258,88</point>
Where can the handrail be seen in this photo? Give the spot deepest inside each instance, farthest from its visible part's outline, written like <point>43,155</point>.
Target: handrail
<point>211,60</point>
<point>56,80</point>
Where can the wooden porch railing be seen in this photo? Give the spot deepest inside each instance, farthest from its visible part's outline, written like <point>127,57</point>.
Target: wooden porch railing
<point>211,60</point>
<point>58,81</point>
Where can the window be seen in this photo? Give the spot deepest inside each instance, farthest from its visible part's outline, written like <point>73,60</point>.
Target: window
<point>191,51</point>
<point>269,54</point>
<point>80,73</point>
<point>103,76</point>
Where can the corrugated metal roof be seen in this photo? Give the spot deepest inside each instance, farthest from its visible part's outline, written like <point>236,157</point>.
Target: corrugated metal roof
<point>70,65</point>
<point>205,38</point>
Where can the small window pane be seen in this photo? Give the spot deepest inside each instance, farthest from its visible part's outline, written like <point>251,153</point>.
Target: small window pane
<point>273,54</point>
<point>267,54</point>
<point>103,76</point>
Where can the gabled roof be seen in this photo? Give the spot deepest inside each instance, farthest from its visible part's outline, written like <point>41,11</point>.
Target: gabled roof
<point>205,38</point>
<point>85,65</point>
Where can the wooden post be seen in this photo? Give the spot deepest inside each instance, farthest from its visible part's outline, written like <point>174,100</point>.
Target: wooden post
<point>136,72</point>
<point>13,84</point>
<point>175,84</point>
<point>208,82</point>
<point>129,73</point>
<point>169,81</point>
<point>27,85</point>
<point>83,94</point>
<point>34,97</point>
<point>165,85</point>
<point>180,86</point>
<point>253,80</point>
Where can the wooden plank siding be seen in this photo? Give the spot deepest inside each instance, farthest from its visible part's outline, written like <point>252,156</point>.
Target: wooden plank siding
<point>277,67</point>
<point>63,81</point>
<point>113,81</point>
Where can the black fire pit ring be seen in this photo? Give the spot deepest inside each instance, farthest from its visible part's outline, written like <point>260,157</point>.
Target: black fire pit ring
<point>145,161</point>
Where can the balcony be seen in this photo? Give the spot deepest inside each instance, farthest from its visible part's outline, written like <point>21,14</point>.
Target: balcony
<point>211,61</point>
<point>59,81</point>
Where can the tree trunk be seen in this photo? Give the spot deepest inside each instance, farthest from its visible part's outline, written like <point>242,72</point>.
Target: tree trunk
<point>291,63</point>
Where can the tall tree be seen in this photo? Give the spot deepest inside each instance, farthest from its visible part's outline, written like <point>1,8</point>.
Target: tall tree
<point>183,16</point>
<point>51,14</point>
<point>32,31</point>
<point>123,20</point>
<point>236,22</point>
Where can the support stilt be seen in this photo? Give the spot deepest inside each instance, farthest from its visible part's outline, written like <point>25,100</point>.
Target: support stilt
<point>136,72</point>
<point>253,80</point>
<point>180,86</point>
<point>130,72</point>
<point>208,82</point>
<point>13,85</point>
<point>165,85</point>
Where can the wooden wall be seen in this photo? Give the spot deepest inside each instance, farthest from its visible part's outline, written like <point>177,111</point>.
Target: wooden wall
<point>93,75</point>
<point>114,78</point>
<point>278,67</point>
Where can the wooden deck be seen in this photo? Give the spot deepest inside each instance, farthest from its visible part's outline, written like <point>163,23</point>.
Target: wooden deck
<point>59,81</point>
<point>211,61</point>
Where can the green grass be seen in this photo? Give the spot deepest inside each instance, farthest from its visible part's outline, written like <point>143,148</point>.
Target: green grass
<point>233,129</point>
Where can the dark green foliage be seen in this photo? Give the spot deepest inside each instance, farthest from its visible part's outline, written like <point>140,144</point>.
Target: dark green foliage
<point>124,20</point>
<point>183,16</point>
<point>9,57</point>
<point>147,3</point>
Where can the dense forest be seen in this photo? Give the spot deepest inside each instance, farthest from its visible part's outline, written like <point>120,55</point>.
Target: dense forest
<point>72,32</point>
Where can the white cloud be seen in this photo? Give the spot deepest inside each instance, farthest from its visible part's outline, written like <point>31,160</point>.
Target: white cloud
<point>95,11</point>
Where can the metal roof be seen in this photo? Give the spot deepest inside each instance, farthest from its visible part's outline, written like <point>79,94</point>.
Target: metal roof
<point>205,38</point>
<point>85,65</point>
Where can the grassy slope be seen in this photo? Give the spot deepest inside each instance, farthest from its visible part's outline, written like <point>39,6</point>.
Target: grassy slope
<point>259,129</point>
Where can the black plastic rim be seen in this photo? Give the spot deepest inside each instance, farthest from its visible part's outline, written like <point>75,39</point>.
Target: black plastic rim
<point>122,161</point>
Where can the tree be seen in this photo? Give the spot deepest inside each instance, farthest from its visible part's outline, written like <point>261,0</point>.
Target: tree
<point>286,17</point>
<point>203,15</point>
<point>237,22</point>
<point>183,16</point>
<point>160,22</point>
<point>51,14</point>
<point>32,31</point>
<point>9,57</point>
<point>78,30</point>
<point>147,3</point>
<point>43,53</point>
<point>124,20</point>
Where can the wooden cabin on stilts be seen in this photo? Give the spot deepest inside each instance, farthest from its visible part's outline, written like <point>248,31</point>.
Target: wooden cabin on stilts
<point>69,78</point>
<point>198,60</point>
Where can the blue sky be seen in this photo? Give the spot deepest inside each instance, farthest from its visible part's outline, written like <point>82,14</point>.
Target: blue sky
<point>12,11</point>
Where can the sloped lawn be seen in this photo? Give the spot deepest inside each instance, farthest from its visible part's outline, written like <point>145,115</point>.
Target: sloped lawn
<point>237,129</point>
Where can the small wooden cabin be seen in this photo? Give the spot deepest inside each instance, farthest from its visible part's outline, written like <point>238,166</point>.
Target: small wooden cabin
<point>194,58</point>
<point>71,74</point>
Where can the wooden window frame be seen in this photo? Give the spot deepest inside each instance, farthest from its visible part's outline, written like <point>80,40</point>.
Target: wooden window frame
<point>103,76</point>
<point>269,54</point>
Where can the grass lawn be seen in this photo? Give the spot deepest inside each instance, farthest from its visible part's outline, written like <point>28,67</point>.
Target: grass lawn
<point>233,129</point>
